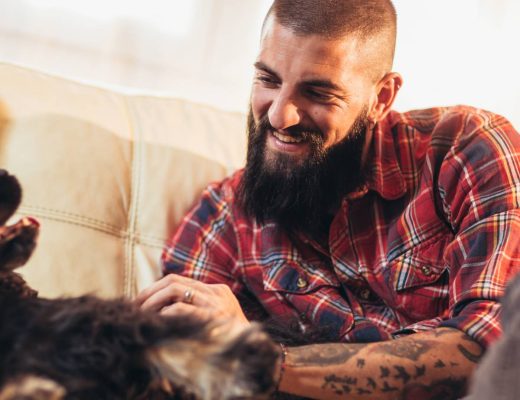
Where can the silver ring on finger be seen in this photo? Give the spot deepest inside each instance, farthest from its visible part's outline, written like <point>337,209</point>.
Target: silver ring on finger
<point>188,296</point>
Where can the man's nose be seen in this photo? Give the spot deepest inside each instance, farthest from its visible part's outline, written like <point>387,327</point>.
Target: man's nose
<point>284,112</point>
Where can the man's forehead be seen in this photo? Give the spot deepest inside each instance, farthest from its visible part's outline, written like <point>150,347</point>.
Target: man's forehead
<point>281,47</point>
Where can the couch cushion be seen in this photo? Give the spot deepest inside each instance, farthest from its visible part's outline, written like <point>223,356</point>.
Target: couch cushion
<point>108,175</point>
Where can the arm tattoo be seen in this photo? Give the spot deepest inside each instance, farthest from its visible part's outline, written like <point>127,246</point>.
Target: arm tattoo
<point>395,378</point>
<point>469,355</point>
<point>339,385</point>
<point>401,374</point>
<point>419,371</point>
<point>325,354</point>
<point>388,388</point>
<point>445,389</point>
<point>410,349</point>
<point>385,372</point>
<point>371,383</point>
<point>347,380</point>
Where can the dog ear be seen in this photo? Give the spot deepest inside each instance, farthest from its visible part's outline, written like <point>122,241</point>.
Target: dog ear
<point>10,195</point>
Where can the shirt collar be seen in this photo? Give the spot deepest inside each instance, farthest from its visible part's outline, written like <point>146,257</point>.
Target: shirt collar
<point>384,172</point>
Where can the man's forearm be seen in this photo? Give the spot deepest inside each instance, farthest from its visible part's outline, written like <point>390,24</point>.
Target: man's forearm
<point>430,365</point>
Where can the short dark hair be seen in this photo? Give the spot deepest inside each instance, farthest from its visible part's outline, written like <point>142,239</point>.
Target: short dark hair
<point>369,20</point>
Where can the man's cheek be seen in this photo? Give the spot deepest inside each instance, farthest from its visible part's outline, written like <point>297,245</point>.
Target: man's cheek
<point>260,103</point>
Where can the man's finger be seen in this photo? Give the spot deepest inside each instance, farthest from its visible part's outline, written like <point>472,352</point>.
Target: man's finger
<point>162,298</point>
<point>163,283</point>
<point>173,293</point>
<point>151,290</point>
<point>179,309</point>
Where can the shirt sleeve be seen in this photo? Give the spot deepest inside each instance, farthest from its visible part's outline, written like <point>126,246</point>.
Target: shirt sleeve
<point>204,247</point>
<point>479,184</point>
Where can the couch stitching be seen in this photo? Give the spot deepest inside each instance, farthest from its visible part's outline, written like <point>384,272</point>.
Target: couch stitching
<point>135,171</point>
<point>131,143</point>
<point>91,223</point>
<point>136,200</point>
<point>90,220</point>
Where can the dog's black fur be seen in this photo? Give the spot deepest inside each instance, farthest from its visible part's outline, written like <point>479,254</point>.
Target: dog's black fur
<point>89,348</point>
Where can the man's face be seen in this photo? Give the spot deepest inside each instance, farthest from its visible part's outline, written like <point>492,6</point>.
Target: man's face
<point>306,84</point>
<point>307,128</point>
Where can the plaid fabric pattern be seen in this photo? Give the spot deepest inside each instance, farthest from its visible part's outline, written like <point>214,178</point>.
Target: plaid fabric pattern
<point>430,241</point>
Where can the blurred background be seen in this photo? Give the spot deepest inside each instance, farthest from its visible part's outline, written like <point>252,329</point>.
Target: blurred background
<point>449,51</point>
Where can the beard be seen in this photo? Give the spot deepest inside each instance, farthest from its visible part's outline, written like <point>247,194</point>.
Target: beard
<point>300,195</point>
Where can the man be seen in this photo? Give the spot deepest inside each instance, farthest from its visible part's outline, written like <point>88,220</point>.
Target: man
<point>353,220</point>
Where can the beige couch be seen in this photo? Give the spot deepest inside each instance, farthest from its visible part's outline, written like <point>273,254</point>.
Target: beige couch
<point>108,175</point>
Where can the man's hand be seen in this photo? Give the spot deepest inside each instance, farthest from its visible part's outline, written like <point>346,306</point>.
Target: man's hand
<point>175,294</point>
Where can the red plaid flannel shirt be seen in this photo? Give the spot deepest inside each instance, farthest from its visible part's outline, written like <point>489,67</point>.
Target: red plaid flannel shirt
<point>430,241</point>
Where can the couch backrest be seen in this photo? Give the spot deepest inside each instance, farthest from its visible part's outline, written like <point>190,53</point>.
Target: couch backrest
<point>108,175</point>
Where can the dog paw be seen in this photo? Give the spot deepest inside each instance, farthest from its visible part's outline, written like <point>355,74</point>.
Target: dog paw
<point>17,243</point>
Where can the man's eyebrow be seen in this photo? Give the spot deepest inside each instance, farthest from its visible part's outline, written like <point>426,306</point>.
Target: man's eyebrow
<point>262,66</point>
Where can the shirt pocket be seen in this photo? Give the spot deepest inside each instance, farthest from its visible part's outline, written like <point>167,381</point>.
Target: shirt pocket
<point>420,285</point>
<point>313,293</point>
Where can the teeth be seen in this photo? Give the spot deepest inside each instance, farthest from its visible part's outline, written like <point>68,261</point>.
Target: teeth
<point>286,138</point>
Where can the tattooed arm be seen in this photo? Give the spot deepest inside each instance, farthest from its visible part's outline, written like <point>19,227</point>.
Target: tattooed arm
<point>429,365</point>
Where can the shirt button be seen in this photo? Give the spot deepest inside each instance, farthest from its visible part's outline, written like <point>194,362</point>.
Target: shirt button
<point>426,270</point>
<point>365,294</point>
<point>301,283</point>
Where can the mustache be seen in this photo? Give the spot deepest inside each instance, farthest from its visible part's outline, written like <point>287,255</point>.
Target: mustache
<point>297,131</point>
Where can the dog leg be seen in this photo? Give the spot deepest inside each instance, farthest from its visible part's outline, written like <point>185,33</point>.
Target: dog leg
<point>17,243</point>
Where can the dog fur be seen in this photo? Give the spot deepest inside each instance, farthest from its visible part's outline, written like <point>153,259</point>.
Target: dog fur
<point>89,348</point>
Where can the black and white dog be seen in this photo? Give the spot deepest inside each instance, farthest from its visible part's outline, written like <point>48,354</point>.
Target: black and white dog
<point>88,348</point>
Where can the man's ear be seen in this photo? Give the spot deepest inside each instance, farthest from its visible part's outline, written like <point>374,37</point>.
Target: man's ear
<point>384,96</point>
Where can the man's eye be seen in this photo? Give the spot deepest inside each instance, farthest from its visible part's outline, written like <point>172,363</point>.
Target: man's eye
<point>319,95</point>
<point>267,80</point>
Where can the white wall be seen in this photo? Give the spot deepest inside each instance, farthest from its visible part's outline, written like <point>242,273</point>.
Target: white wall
<point>197,49</point>
<point>449,51</point>
<point>460,52</point>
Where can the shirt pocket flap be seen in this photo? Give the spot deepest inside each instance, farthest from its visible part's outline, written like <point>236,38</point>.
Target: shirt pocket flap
<point>297,277</point>
<point>410,271</point>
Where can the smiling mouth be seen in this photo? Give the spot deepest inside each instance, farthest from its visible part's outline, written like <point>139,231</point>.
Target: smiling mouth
<point>287,138</point>
<point>288,144</point>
